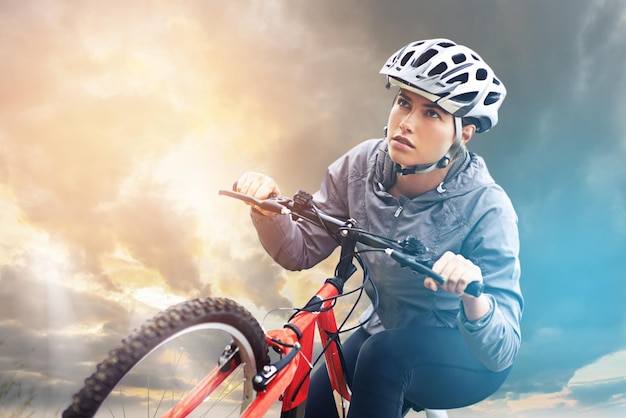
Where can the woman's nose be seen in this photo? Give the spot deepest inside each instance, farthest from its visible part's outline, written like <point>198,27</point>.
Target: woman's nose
<point>406,125</point>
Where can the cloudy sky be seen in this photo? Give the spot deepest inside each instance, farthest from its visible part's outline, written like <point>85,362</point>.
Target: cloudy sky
<point>119,122</point>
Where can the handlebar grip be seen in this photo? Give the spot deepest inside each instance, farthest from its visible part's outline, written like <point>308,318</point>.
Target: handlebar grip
<point>473,289</point>
<point>274,206</point>
<point>267,204</point>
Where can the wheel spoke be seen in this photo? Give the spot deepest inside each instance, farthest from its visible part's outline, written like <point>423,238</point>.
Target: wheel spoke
<point>169,356</point>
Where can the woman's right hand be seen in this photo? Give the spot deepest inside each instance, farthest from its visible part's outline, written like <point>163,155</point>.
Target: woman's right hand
<point>259,186</point>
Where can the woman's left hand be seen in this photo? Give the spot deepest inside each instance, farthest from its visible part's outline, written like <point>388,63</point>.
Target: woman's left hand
<point>458,272</point>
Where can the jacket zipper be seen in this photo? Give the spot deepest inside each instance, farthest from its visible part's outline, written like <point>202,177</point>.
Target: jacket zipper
<point>396,216</point>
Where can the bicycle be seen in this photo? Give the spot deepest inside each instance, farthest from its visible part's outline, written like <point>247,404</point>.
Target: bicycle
<point>242,380</point>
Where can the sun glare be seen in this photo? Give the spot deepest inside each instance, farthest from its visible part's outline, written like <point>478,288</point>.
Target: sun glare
<point>15,232</point>
<point>155,297</point>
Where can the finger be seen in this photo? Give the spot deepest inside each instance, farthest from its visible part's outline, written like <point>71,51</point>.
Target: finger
<point>264,189</point>
<point>447,264</point>
<point>457,282</point>
<point>473,274</point>
<point>256,184</point>
<point>431,284</point>
<point>243,184</point>
<point>442,261</point>
<point>458,268</point>
<point>458,272</point>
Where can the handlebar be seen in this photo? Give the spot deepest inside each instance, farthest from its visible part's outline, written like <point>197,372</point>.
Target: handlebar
<point>404,252</point>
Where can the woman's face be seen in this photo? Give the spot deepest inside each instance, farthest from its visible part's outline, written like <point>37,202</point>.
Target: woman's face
<point>419,131</point>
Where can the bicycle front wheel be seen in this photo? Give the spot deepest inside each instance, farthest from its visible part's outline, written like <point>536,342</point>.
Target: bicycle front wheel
<point>160,362</point>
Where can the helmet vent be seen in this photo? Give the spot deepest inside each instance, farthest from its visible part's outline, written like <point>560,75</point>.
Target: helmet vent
<point>425,57</point>
<point>406,58</point>
<point>481,74</point>
<point>459,58</point>
<point>462,78</point>
<point>446,44</point>
<point>439,68</point>
<point>466,97</point>
<point>491,98</point>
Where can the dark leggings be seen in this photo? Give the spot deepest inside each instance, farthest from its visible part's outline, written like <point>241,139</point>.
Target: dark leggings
<point>423,367</point>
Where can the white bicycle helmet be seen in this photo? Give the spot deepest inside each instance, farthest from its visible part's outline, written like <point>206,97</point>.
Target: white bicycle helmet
<point>451,75</point>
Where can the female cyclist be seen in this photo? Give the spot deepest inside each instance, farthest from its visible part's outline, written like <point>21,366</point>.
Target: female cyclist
<point>426,345</point>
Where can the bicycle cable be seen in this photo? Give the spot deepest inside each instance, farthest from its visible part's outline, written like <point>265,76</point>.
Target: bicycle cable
<point>374,298</point>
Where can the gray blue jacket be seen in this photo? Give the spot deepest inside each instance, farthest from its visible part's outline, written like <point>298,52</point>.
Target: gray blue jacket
<point>469,214</point>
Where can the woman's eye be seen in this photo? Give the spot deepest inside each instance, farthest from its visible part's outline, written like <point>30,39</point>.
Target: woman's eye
<point>431,113</point>
<point>403,103</point>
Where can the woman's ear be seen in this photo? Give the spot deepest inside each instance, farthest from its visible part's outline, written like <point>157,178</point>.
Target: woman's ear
<point>467,133</point>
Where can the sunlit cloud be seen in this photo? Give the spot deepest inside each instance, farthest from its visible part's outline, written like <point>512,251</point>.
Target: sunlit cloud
<point>595,389</point>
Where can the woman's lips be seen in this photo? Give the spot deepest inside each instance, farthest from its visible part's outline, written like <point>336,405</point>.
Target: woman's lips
<point>402,140</point>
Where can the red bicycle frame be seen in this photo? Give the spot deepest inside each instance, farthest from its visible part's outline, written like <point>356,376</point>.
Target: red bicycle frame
<point>291,384</point>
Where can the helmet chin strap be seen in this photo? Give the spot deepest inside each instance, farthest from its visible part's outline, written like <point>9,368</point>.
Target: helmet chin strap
<point>443,161</point>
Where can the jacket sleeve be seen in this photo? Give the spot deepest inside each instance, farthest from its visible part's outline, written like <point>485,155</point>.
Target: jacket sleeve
<point>297,245</point>
<point>493,245</point>
<point>294,245</point>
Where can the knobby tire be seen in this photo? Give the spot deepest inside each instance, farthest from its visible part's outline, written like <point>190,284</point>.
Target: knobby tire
<point>179,321</point>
